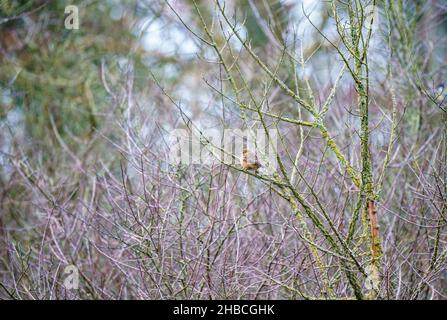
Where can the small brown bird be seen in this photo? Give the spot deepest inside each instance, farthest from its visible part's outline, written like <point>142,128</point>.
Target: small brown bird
<point>249,161</point>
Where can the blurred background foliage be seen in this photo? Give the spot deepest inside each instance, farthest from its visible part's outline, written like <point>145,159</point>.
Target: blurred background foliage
<point>52,74</point>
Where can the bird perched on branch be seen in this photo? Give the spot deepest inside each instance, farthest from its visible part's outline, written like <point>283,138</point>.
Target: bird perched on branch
<point>249,161</point>
<point>441,93</point>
